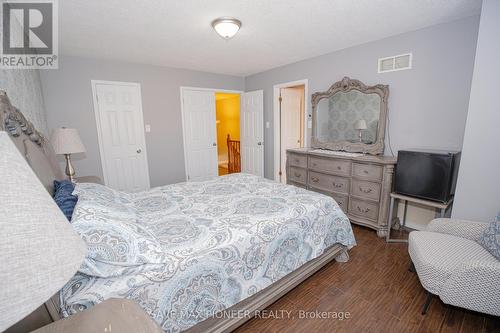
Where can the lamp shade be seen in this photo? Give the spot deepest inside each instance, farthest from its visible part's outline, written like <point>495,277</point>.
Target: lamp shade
<point>360,124</point>
<point>39,250</point>
<point>66,141</point>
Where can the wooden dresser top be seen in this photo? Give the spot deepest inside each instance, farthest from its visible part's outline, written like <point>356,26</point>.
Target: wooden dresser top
<point>364,158</point>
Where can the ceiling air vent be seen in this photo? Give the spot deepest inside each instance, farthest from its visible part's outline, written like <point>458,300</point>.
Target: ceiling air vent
<point>395,63</point>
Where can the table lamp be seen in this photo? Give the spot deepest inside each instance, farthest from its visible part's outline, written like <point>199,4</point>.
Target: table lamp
<point>39,250</point>
<point>66,141</point>
<point>360,125</point>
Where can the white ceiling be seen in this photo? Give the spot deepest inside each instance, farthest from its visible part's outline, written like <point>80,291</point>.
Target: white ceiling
<point>177,33</point>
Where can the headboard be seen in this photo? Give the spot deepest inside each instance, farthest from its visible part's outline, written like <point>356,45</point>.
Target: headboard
<point>31,143</point>
<point>41,157</point>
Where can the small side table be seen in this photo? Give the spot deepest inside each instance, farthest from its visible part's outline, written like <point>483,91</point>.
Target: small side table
<point>89,179</point>
<point>441,210</point>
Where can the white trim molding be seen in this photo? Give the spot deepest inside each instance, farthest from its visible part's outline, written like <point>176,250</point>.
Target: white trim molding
<point>276,119</point>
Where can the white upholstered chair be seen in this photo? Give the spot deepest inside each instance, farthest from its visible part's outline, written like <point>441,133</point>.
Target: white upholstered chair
<point>451,264</point>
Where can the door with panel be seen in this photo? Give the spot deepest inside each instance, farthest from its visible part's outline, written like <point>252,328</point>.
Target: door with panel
<point>200,134</point>
<point>122,144</point>
<point>291,117</point>
<point>252,132</point>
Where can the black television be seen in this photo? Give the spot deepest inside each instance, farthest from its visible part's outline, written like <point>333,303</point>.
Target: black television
<point>427,174</point>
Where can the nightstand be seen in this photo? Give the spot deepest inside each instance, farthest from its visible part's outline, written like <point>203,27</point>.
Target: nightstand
<point>89,179</point>
<point>112,315</point>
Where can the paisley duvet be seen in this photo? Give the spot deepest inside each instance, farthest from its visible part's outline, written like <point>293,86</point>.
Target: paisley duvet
<point>186,251</point>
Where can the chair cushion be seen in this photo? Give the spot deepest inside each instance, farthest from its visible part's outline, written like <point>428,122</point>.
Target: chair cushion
<point>490,239</point>
<point>437,256</point>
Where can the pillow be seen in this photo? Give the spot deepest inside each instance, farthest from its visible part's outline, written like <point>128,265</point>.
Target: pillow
<point>63,197</point>
<point>116,244</point>
<point>120,230</point>
<point>490,239</point>
<point>105,201</point>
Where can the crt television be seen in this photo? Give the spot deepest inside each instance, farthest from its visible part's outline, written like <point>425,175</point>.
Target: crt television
<point>427,174</point>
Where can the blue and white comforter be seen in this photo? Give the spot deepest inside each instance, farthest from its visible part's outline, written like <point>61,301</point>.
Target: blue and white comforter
<point>188,250</point>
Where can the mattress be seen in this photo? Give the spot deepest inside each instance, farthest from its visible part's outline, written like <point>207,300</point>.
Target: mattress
<point>186,251</point>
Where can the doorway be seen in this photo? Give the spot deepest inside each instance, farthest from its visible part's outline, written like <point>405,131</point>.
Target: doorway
<point>227,114</point>
<point>290,122</point>
<point>208,117</point>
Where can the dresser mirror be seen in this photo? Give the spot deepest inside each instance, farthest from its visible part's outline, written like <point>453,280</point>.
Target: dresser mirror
<point>351,117</point>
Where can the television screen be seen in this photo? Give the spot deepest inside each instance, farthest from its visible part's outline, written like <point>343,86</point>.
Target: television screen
<point>428,175</point>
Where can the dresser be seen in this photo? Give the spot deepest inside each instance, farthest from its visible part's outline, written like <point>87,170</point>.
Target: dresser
<point>359,184</point>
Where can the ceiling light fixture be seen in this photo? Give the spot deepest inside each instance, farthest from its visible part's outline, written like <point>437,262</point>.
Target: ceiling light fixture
<point>226,27</point>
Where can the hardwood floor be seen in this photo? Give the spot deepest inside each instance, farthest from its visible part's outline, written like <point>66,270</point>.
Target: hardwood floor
<point>378,291</point>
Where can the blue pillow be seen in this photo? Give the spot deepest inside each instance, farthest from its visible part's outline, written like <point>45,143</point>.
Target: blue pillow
<point>490,239</point>
<point>63,197</point>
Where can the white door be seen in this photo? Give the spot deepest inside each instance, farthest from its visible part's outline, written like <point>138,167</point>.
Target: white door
<point>200,134</point>
<point>252,132</point>
<point>291,123</point>
<point>120,126</point>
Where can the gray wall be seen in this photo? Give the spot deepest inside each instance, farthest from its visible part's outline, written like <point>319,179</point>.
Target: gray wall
<point>68,99</point>
<point>25,92</point>
<point>427,105</point>
<point>478,188</point>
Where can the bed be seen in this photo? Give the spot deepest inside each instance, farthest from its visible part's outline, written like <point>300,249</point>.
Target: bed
<point>187,252</point>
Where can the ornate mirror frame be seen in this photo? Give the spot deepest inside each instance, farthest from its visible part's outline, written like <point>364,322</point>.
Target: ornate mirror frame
<point>345,85</point>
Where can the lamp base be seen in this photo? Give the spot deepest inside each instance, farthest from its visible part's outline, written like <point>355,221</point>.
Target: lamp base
<point>70,171</point>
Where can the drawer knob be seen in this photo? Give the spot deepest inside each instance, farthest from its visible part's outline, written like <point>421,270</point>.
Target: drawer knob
<point>366,210</point>
<point>339,167</point>
<point>298,175</point>
<point>314,164</point>
<point>336,185</point>
<point>368,190</point>
<point>314,179</point>
<point>365,172</point>
<point>297,160</point>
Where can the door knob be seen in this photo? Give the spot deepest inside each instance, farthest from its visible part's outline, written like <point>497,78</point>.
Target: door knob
<point>214,144</point>
<point>139,151</point>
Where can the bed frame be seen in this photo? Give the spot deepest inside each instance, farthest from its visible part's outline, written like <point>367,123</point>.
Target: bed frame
<point>36,148</point>
<point>269,295</point>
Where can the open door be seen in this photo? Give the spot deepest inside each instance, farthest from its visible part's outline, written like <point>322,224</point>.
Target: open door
<point>252,132</point>
<point>291,127</point>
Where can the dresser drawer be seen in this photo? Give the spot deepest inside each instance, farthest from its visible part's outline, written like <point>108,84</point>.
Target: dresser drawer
<point>363,208</point>
<point>328,182</point>
<point>368,171</point>
<point>342,201</point>
<point>338,167</point>
<point>291,182</point>
<point>364,189</point>
<point>297,175</point>
<point>297,160</point>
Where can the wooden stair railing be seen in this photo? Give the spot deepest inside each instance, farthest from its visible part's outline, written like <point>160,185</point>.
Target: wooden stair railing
<point>233,155</point>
